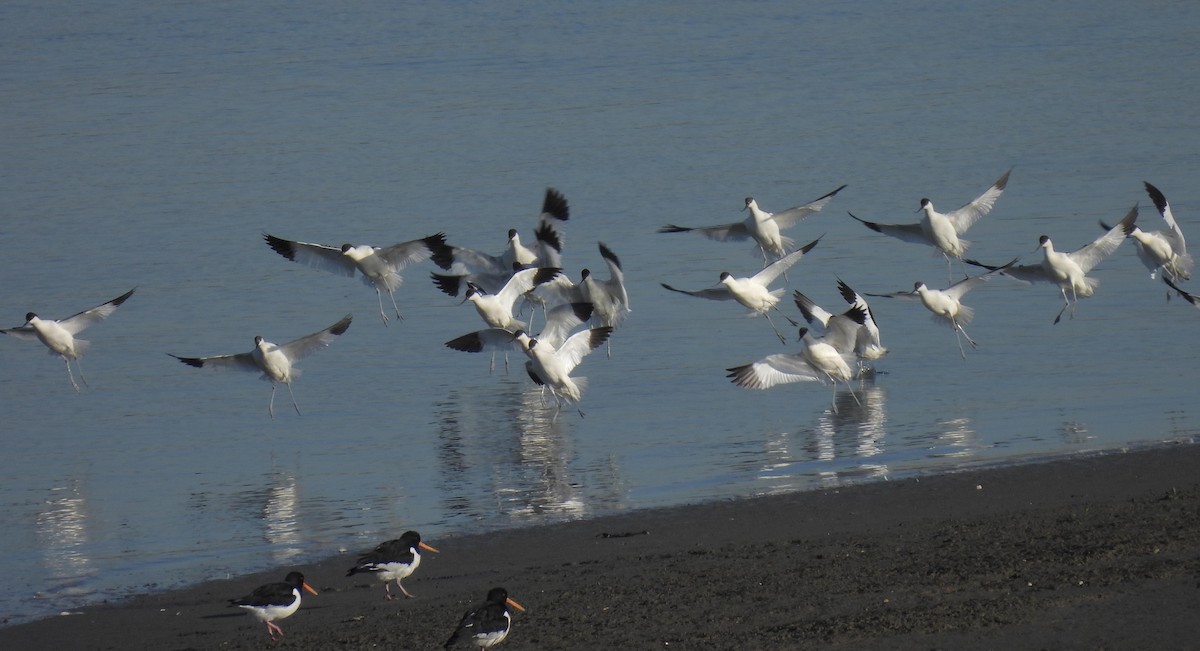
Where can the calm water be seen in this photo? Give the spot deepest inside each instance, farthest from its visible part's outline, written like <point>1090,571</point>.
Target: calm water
<point>151,145</point>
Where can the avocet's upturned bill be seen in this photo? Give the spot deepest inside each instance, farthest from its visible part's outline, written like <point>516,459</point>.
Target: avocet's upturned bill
<point>59,336</point>
<point>1069,270</point>
<point>820,360</point>
<point>753,292</point>
<point>761,226</point>
<point>275,362</point>
<point>943,231</point>
<point>946,304</point>
<point>380,266</point>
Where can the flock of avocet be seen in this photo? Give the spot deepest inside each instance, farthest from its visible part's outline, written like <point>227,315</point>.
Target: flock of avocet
<point>520,279</point>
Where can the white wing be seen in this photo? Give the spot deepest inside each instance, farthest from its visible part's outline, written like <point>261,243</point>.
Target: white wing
<point>965,217</point>
<point>793,216</point>
<point>774,370</point>
<point>713,293</point>
<point>318,256</point>
<point>578,345</point>
<point>79,322</point>
<point>776,269</point>
<point>316,341</point>
<point>1090,255</point>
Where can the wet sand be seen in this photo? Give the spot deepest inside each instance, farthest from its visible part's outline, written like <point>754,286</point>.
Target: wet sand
<point>1097,552</point>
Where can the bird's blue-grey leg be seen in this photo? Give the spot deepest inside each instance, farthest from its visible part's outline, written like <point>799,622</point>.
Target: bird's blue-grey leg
<point>379,297</point>
<point>271,404</point>
<point>289,386</point>
<point>71,376</point>
<point>781,338</point>
<point>392,295</point>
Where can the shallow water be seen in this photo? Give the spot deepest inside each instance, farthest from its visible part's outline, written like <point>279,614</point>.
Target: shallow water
<point>151,147</point>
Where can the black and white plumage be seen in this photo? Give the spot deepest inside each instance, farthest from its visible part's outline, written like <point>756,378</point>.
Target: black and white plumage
<point>943,230</point>
<point>496,310</point>
<point>825,359</point>
<point>946,304</point>
<point>393,560</point>
<point>487,624</point>
<point>58,336</point>
<point>857,324</point>
<point>551,367</point>
<point>560,322</point>
<point>754,292</point>
<point>1162,252</point>
<point>379,267</point>
<point>1068,270</point>
<point>761,226</point>
<point>275,601</point>
<point>545,252</point>
<point>275,362</point>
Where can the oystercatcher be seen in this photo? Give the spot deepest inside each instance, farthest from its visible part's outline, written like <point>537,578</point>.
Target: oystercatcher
<point>487,624</point>
<point>274,601</point>
<point>393,560</point>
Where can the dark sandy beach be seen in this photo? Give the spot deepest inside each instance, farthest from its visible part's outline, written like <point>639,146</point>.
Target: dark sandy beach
<point>1098,552</point>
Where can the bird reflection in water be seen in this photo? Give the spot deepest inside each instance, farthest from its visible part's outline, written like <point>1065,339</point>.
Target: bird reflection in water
<point>63,538</point>
<point>852,431</point>
<point>281,517</point>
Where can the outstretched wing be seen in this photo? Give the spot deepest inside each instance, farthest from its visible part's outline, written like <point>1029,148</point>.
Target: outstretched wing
<point>793,216</point>
<point>713,293</point>
<point>906,232</point>
<point>238,362</point>
<point>318,256</point>
<point>965,217</point>
<point>776,269</point>
<point>402,254</point>
<point>1090,255</point>
<point>79,322</point>
<point>774,370</point>
<point>306,345</point>
<point>721,233</point>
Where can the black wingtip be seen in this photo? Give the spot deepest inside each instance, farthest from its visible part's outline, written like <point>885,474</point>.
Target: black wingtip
<point>555,205</point>
<point>546,274</point>
<point>468,343</point>
<point>607,254</point>
<point>116,302</point>
<point>809,247</point>
<point>449,285</point>
<point>871,225</point>
<point>280,246</point>
<point>599,336</point>
<point>341,326</point>
<point>441,253</point>
<point>190,361</point>
<point>1160,201</point>
<point>548,235</point>
<point>848,294</point>
<point>1003,182</point>
<point>672,228</point>
<point>830,194</point>
<point>583,311</point>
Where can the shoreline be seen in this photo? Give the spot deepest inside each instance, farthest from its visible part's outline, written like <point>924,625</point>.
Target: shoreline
<point>1094,551</point>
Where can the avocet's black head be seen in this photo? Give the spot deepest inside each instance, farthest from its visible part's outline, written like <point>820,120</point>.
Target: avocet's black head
<point>918,285</point>
<point>584,275</point>
<point>803,332</point>
<point>473,289</point>
<point>258,339</point>
<point>532,343</point>
<point>749,200</point>
<point>924,202</point>
<point>512,232</point>
<point>29,316</point>
<point>1043,239</point>
<point>346,247</point>
<point>724,275</point>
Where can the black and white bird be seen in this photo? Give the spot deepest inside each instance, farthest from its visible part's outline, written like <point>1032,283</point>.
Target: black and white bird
<point>59,336</point>
<point>275,362</point>
<point>379,267</point>
<point>1162,252</point>
<point>1069,270</point>
<point>560,322</point>
<point>754,292</point>
<point>944,231</point>
<point>487,624</point>
<point>275,601</point>
<point>551,367</point>
<point>393,560</point>
<point>761,226</point>
<point>546,250</point>
<point>856,325</point>
<point>825,359</point>
<point>946,304</point>
<point>497,310</point>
